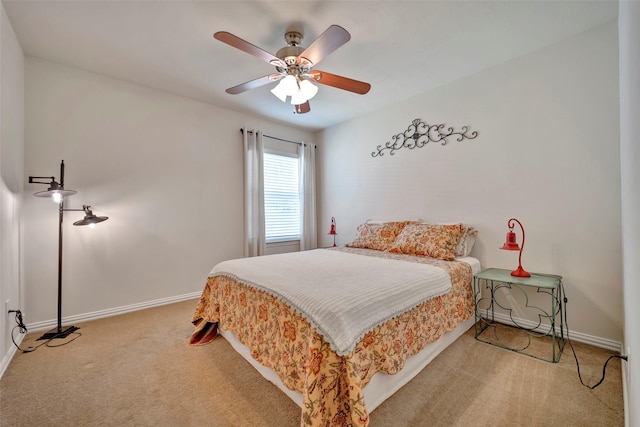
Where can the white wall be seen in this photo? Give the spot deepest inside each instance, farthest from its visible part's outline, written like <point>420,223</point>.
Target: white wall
<point>547,153</point>
<point>11,179</point>
<point>165,169</point>
<point>629,23</point>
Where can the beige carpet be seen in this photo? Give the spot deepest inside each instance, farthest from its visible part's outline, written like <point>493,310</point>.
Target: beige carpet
<point>138,370</point>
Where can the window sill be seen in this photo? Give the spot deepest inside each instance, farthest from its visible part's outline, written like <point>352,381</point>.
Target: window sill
<point>284,242</point>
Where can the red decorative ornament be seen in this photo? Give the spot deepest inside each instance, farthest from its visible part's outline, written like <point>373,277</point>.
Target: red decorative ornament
<point>511,244</point>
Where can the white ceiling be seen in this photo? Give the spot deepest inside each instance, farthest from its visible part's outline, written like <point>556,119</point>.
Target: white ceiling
<point>402,48</point>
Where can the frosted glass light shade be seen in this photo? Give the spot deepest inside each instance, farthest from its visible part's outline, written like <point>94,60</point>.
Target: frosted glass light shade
<point>286,87</point>
<point>307,91</point>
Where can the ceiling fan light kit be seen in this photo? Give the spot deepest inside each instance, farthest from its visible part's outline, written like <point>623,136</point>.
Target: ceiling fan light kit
<point>299,90</point>
<point>294,65</point>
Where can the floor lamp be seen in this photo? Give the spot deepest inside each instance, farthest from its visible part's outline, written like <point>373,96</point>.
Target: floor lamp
<point>57,193</point>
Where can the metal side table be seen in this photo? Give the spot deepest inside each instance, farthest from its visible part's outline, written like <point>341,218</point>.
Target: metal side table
<point>494,281</point>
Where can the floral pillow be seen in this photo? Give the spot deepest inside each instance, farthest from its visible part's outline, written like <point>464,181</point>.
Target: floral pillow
<point>378,236</point>
<point>432,240</point>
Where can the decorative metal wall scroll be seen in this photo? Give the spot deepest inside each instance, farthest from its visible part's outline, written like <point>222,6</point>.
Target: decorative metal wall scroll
<point>419,134</point>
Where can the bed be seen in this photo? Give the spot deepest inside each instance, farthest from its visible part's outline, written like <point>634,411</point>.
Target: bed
<point>339,330</point>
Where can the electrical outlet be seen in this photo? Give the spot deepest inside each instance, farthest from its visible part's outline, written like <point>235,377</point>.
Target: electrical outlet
<point>6,306</point>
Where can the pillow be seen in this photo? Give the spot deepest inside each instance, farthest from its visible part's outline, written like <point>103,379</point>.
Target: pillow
<point>378,236</point>
<point>432,240</point>
<point>466,242</point>
<point>383,221</point>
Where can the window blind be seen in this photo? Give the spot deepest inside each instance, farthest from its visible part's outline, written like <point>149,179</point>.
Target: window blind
<point>281,198</point>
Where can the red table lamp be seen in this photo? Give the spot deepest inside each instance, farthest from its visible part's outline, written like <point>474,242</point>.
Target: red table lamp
<point>512,245</point>
<point>333,231</point>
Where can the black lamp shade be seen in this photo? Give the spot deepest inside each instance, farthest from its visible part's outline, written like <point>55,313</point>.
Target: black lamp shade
<point>90,218</point>
<point>51,191</point>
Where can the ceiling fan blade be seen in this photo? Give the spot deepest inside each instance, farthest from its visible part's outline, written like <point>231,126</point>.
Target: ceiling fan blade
<point>303,108</point>
<point>245,46</point>
<point>340,82</point>
<point>332,38</point>
<point>252,84</point>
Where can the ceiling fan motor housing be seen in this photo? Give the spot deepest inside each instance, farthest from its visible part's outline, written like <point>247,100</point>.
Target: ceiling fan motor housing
<point>289,54</point>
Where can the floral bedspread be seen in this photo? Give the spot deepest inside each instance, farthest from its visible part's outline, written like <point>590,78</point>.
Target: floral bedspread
<point>283,340</point>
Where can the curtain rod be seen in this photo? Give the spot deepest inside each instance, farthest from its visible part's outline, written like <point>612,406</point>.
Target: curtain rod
<point>276,138</point>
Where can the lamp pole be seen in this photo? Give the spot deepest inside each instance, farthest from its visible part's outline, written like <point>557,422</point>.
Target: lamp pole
<point>60,216</point>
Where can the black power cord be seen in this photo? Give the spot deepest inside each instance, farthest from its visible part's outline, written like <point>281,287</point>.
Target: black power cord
<point>23,330</point>
<point>575,356</point>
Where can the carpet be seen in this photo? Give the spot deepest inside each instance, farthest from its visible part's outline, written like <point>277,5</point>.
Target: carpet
<point>138,369</point>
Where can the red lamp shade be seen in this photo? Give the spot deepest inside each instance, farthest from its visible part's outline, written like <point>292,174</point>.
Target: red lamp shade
<point>332,230</point>
<point>511,244</point>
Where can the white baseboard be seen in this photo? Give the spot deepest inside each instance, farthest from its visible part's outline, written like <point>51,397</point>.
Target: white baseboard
<point>7,357</point>
<point>575,336</point>
<point>49,324</point>
<point>625,391</point>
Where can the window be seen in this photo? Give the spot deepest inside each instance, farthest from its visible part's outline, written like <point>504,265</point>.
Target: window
<point>281,198</point>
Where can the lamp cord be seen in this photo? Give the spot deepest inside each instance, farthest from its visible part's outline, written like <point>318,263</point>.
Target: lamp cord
<point>23,330</point>
<point>575,356</point>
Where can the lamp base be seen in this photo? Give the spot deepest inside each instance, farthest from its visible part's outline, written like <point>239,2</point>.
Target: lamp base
<point>61,332</point>
<point>519,272</point>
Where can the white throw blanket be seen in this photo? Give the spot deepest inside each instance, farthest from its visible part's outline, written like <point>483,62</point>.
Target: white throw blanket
<point>342,295</point>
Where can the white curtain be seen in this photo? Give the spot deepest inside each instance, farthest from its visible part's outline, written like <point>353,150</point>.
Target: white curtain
<point>307,156</point>
<point>254,242</point>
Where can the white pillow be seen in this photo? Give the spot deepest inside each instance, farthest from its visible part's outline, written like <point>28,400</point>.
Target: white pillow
<point>466,242</point>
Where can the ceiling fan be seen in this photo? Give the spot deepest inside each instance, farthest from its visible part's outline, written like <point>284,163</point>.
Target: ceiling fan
<point>294,66</point>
